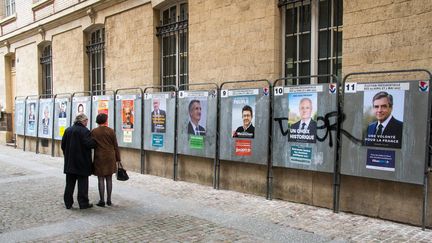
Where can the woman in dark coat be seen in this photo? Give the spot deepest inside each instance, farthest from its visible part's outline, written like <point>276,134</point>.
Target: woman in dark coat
<point>106,156</point>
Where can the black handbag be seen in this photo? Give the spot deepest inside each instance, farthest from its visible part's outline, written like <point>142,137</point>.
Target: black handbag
<point>121,173</point>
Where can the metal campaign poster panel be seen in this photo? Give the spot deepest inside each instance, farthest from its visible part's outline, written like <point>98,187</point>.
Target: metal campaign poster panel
<point>61,118</point>
<point>103,104</point>
<point>128,120</point>
<point>197,116</point>
<point>159,118</point>
<point>31,117</point>
<point>389,121</point>
<point>19,116</point>
<point>244,125</point>
<point>300,139</point>
<point>81,105</point>
<point>45,118</point>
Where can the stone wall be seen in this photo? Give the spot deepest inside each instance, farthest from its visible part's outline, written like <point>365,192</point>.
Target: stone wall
<point>68,62</point>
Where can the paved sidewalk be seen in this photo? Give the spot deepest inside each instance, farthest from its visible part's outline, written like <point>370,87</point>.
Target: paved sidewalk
<point>153,209</point>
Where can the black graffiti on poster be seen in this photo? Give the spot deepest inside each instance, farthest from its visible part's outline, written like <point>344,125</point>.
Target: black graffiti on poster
<point>326,124</point>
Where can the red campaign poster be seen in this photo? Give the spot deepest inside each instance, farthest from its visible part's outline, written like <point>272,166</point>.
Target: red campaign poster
<point>243,147</point>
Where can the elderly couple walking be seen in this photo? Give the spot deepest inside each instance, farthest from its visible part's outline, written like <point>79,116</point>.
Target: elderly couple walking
<point>76,144</point>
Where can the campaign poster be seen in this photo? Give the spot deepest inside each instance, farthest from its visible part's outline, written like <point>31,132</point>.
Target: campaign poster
<point>81,109</point>
<point>197,110</point>
<point>62,117</point>
<point>45,122</point>
<point>128,114</point>
<point>158,115</point>
<point>32,117</point>
<point>243,119</point>
<point>383,116</point>
<point>302,113</point>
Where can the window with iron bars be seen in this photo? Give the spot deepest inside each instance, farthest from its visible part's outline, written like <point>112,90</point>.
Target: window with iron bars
<point>312,31</point>
<point>96,55</point>
<point>46,63</point>
<point>9,7</point>
<point>173,35</point>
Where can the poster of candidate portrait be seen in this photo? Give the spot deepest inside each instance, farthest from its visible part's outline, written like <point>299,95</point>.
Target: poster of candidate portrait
<point>302,113</point>
<point>62,109</point>
<point>158,115</point>
<point>197,116</point>
<point>81,109</point>
<point>128,114</point>
<point>45,122</point>
<point>32,117</point>
<point>243,119</point>
<point>383,114</point>
<point>62,115</point>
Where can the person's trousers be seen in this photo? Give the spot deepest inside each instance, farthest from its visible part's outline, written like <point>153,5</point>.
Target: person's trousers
<point>82,190</point>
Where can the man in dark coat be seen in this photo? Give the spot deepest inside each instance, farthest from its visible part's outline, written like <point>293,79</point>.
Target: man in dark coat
<point>76,145</point>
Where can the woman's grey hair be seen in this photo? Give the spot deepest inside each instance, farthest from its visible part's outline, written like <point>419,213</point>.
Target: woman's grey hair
<point>80,118</point>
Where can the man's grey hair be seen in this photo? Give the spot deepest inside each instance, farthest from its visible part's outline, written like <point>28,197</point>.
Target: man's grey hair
<point>80,118</point>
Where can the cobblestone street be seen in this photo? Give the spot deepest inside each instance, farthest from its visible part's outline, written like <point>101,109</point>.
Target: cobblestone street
<point>154,209</point>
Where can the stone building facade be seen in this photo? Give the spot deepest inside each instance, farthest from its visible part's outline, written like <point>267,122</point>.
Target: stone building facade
<point>66,46</point>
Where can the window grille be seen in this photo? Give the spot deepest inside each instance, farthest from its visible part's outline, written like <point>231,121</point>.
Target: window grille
<point>46,63</point>
<point>312,38</point>
<point>173,35</point>
<point>9,7</point>
<point>96,54</point>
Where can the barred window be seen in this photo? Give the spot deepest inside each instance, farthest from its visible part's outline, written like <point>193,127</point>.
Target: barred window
<point>46,64</point>
<point>96,54</point>
<point>173,35</point>
<point>312,38</point>
<point>9,7</point>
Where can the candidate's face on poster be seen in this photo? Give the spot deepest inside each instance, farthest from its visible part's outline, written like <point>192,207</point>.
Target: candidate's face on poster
<point>195,111</point>
<point>81,109</point>
<point>46,112</point>
<point>128,114</point>
<point>63,107</point>
<point>156,104</point>
<point>247,118</point>
<point>305,108</point>
<point>302,107</point>
<point>32,108</point>
<point>382,109</point>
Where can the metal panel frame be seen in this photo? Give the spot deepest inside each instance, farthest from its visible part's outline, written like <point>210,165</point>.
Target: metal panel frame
<point>216,156</point>
<point>25,121</point>
<point>428,139</point>
<point>24,101</point>
<point>51,96</point>
<point>62,95</point>
<point>141,92</point>
<point>160,88</point>
<point>329,127</point>
<point>269,171</point>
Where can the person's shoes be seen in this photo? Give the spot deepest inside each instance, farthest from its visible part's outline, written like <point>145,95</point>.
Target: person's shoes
<point>109,203</point>
<point>100,204</point>
<point>69,207</point>
<point>86,206</point>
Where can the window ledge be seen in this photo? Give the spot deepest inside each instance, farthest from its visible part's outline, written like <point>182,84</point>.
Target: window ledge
<point>40,4</point>
<point>8,19</point>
